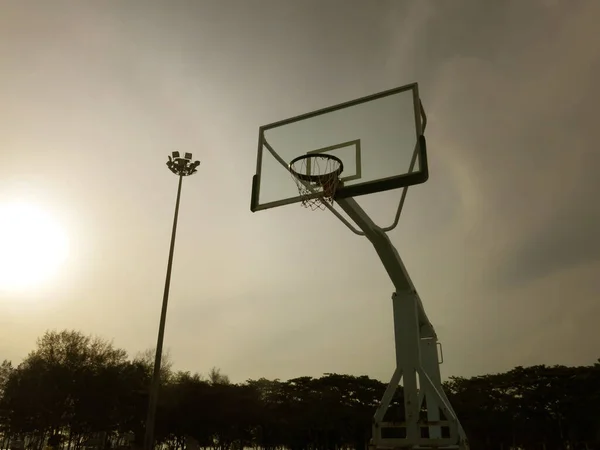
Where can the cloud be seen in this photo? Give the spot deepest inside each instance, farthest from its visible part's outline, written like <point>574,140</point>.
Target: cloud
<point>500,242</point>
<point>520,144</point>
<point>566,237</point>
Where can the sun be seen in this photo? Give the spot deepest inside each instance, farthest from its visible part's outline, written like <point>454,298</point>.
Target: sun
<point>33,246</point>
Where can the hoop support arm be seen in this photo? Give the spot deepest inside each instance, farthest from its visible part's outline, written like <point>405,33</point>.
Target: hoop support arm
<point>389,257</point>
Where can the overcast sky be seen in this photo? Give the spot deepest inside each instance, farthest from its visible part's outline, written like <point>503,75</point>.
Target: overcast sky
<point>501,242</point>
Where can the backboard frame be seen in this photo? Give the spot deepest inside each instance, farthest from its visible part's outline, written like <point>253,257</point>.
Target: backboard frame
<point>369,187</point>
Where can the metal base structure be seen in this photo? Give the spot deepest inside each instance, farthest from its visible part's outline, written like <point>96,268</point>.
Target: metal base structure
<point>417,363</point>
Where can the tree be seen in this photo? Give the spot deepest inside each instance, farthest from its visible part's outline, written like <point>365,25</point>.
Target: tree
<point>216,377</point>
<point>183,410</point>
<point>6,369</point>
<point>76,388</point>
<point>146,359</point>
<point>69,383</point>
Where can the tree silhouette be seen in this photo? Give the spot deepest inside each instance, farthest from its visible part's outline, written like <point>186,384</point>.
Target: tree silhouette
<point>78,391</point>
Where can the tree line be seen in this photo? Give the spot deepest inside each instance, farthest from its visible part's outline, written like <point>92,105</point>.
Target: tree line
<point>79,391</point>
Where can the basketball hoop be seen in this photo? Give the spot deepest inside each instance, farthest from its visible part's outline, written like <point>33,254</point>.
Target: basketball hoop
<point>317,178</point>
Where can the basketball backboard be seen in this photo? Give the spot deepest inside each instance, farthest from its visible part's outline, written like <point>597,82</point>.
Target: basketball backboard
<point>378,138</point>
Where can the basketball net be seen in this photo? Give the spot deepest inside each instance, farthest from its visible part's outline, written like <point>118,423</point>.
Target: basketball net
<point>317,179</point>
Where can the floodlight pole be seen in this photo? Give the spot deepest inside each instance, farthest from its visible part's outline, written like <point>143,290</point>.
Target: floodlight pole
<point>181,167</point>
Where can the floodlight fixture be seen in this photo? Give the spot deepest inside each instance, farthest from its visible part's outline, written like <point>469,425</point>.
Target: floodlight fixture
<point>182,166</point>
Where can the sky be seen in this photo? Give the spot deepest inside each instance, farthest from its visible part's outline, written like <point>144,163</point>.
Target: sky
<point>501,242</point>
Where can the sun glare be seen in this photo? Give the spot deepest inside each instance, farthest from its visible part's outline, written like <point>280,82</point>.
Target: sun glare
<point>33,246</point>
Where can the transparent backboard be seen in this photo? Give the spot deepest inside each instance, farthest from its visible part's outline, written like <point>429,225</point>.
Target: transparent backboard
<point>378,138</point>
